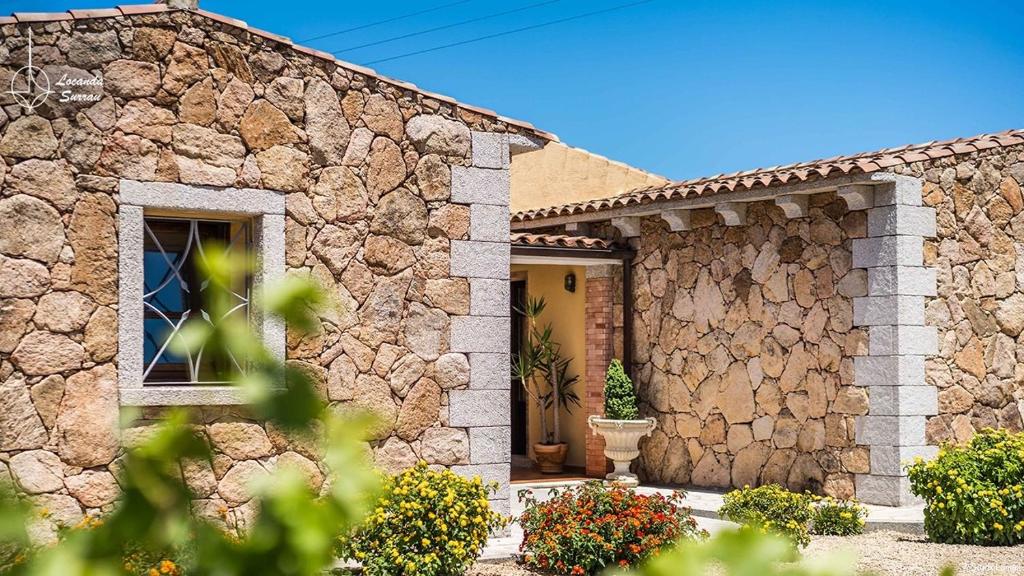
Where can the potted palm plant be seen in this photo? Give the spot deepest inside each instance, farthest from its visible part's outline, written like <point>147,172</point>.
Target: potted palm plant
<point>543,373</point>
<point>621,427</point>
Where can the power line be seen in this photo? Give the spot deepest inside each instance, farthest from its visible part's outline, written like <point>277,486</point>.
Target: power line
<point>379,22</point>
<point>507,32</point>
<point>445,27</point>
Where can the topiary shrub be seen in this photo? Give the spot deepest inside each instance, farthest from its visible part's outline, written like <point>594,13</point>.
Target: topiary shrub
<point>425,522</point>
<point>771,509</point>
<point>619,397</point>
<point>587,528</point>
<point>974,494</point>
<point>833,517</point>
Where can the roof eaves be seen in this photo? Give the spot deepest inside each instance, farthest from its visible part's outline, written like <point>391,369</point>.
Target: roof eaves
<point>138,9</point>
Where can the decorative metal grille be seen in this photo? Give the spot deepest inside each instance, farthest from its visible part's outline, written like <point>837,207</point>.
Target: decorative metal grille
<point>175,292</point>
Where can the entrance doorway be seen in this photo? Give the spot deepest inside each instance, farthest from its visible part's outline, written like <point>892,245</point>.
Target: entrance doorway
<point>519,404</point>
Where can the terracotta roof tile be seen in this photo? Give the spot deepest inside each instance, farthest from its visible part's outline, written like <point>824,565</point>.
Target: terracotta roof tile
<point>136,9</point>
<point>863,163</point>
<point>132,9</point>
<point>96,13</point>
<point>42,16</point>
<point>561,241</point>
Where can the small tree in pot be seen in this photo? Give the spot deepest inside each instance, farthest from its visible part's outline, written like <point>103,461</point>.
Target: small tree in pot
<point>621,426</point>
<point>544,375</point>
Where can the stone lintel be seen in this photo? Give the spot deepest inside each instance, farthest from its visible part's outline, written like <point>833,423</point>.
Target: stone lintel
<point>897,219</point>
<point>857,196</point>
<point>733,213</point>
<point>906,280</point>
<point>888,251</point>
<point>885,310</point>
<point>678,220</point>
<point>188,197</point>
<point>878,371</point>
<point>793,205</point>
<point>628,226</point>
<point>903,400</point>
<point>899,340</point>
<point>890,430</point>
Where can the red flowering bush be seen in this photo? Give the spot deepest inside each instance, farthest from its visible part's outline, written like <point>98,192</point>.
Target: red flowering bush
<point>585,528</point>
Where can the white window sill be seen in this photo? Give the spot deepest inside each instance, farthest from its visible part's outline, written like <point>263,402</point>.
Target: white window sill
<point>188,395</point>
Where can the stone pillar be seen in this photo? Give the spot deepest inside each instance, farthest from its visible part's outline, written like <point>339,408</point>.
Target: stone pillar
<point>599,335</point>
<point>899,398</point>
<point>483,335</point>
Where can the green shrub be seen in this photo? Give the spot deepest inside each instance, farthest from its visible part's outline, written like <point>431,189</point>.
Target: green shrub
<point>771,508</point>
<point>426,522</point>
<point>974,494</point>
<point>587,528</point>
<point>833,517</point>
<point>619,397</point>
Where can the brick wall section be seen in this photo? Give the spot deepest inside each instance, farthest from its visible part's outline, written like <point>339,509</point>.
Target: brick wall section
<point>599,343</point>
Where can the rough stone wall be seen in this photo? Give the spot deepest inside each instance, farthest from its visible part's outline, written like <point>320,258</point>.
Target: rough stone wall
<point>744,341</point>
<point>979,310</point>
<point>368,169</point>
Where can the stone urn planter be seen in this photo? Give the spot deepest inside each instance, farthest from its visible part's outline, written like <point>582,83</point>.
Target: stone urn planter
<point>621,439</point>
<point>550,457</point>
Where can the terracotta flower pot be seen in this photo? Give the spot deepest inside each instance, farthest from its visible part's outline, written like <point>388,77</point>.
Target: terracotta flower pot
<point>621,440</point>
<point>550,457</point>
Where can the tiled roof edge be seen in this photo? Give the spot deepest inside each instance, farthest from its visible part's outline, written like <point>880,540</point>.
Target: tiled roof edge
<point>561,241</point>
<point>861,163</point>
<point>138,9</point>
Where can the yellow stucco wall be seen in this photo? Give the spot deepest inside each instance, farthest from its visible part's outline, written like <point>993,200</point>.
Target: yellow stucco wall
<point>558,174</point>
<point>565,311</point>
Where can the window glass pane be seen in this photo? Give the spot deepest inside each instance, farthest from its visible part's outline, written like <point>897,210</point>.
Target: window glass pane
<point>164,291</point>
<point>176,292</point>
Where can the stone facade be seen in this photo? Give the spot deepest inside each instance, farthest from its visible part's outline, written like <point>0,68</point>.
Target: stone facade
<point>978,258</point>
<point>821,347</point>
<point>393,202</point>
<point>744,338</point>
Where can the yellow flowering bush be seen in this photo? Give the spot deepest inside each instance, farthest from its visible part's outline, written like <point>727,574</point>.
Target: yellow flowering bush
<point>974,494</point>
<point>834,517</point>
<point>425,522</point>
<point>771,509</point>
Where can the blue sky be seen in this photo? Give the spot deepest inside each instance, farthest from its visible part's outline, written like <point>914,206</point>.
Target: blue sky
<point>687,89</point>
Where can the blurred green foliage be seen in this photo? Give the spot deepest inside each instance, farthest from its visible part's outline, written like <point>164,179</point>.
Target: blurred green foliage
<point>294,530</point>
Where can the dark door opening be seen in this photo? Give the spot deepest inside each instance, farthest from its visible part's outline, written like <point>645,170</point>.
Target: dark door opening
<point>519,405</point>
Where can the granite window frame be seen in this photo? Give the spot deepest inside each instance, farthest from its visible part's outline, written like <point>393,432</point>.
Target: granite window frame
<point>138,200</point>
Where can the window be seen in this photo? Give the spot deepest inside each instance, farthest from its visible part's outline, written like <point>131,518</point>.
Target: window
<point>163,231</point>
<point>175,292</point>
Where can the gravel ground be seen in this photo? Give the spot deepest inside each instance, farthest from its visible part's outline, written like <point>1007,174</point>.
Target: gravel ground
<point>882,553</point>
<point>895,554</point>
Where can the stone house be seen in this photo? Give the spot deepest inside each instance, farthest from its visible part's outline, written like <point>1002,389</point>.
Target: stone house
<point>814,324</point>
<point>817,324</point>
<point>171,128</point>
